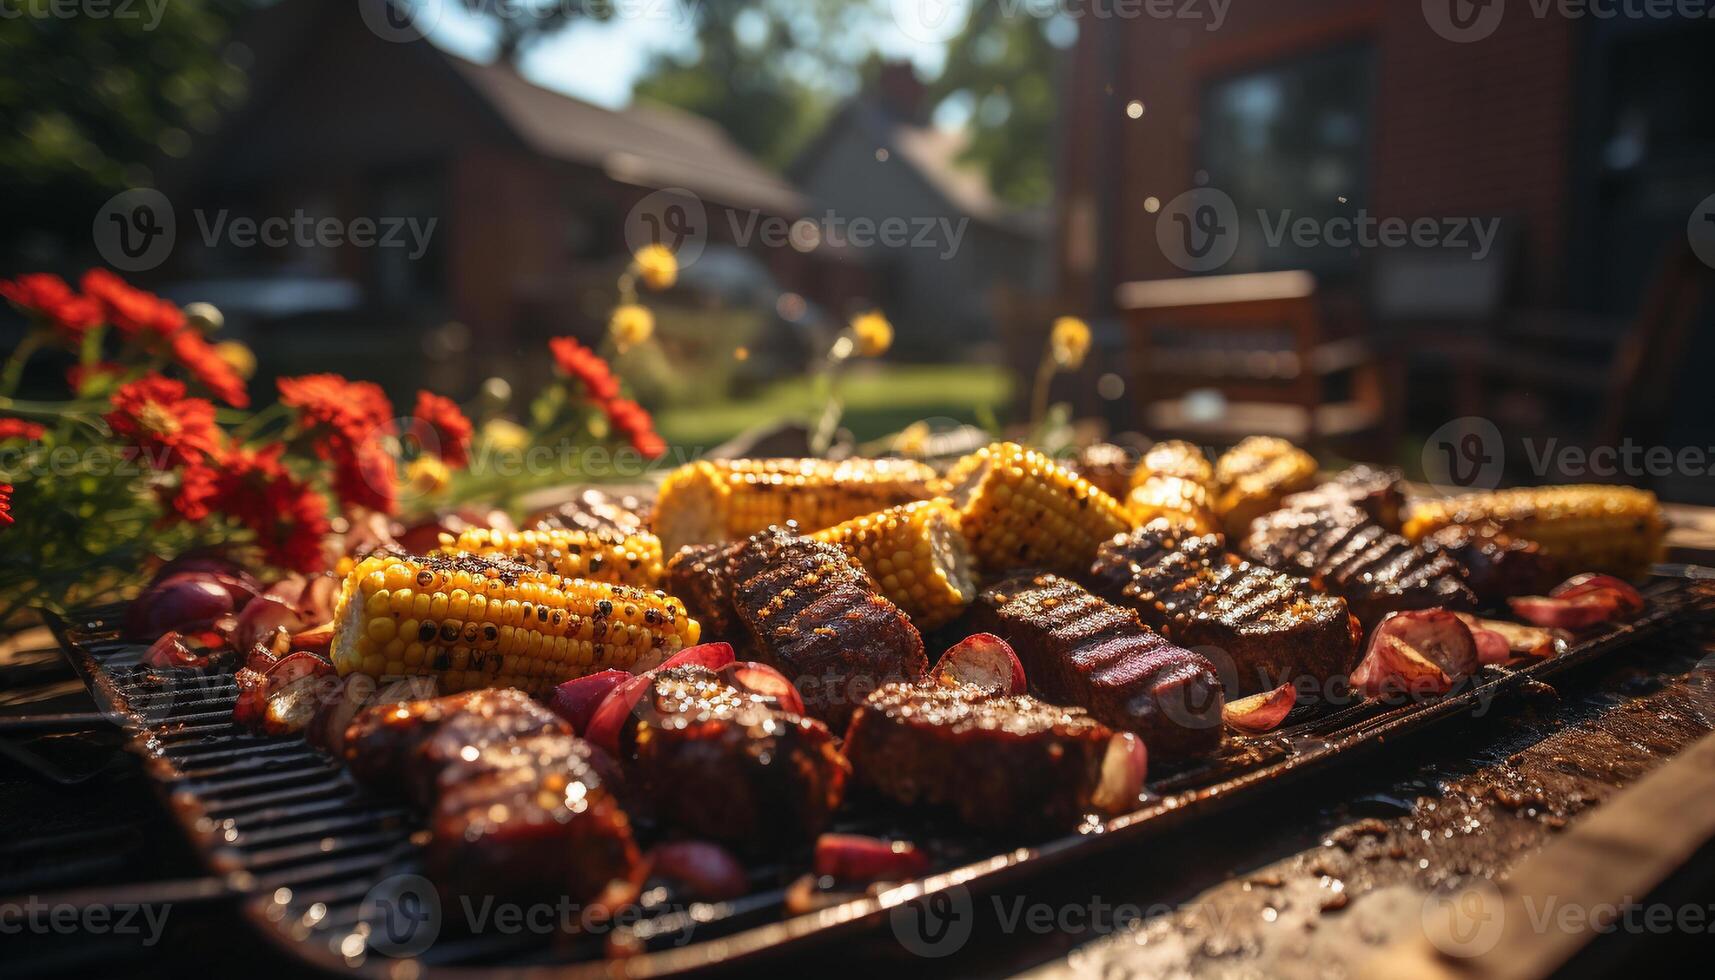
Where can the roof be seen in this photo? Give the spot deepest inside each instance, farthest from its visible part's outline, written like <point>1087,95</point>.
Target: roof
<point>647,145</point>
<point>933,154</point>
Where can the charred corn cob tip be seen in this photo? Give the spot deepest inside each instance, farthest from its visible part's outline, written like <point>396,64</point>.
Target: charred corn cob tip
<point>484,621</point>
<point>1020,509</point>
<point>1183,503</point>
<point>599,556</point>
<point>1177,458</point>
<point>1619,530</point>
<point>916,555</point>
<point>1254,476</point>
<point>719,500</point>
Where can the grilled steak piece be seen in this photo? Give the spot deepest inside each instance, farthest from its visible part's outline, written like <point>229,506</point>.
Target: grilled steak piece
<point>1497,565</point>
<point>594,510</point>
<point>700,576</point>
<point>401,749</point>
<point>818,616</point>
<point>1010,764</point>
<point>532,818</point>
<point>1078,649</point>
<point>1272,627</point>
<point>1343,550</point>
<point>715,762</point>
<point>1372,489</point>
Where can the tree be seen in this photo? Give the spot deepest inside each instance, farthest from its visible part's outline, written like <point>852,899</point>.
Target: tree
<point>1002,64</point>
<point>517,23</point>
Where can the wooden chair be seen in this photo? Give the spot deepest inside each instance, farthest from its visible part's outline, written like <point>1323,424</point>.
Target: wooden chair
<point>1217,358</point>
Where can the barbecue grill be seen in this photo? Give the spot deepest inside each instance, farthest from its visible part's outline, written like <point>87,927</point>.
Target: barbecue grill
<point>300,848</point>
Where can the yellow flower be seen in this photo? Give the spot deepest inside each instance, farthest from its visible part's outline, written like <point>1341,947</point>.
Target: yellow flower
<point>427,474</point>
<point>1070,341</point>
<point>631,325</point>
<point>237,357</point>
<point>657,265</point>
<point>874,334</point>
<point>504,435</point>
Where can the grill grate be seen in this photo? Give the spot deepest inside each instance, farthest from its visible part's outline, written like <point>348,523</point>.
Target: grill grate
<point>303,844</point>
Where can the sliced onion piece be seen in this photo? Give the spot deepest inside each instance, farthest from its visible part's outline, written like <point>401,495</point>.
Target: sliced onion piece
<point>577,699</point>
<point>1520,641</point>
<point>1631,601</point>
<point>1125,766</point>
<point>1260,713</point>
<point>327,729</point>
<point>699,870</point>
<point>171,650</point>
<point>266,616</point>
<point>984,661</point>
<point>182,603</point>
<point>1568,613</point>
<point>610,717</point>
<point>764,681</point>
<point>855,858</point>
<point>1422,651</point>
<point>714,656</point>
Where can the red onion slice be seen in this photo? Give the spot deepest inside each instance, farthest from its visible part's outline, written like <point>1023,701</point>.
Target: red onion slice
<point>1422,651</point>
<point>1125,766</point>
<point>610,717</point>
<point>699,870</point>
<point>855,858</point>
<point>1630,600</point>
<point>1520,641</point>
<point>714,656</point>
<point>577,699</point>
<point>983,661</point>
<point>1260,713</point>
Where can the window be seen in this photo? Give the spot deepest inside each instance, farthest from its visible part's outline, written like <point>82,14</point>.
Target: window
<point>1291,140</point>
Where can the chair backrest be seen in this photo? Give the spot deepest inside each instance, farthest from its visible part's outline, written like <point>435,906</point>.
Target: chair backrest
<point>1249,336</point>
<point>1649,358</point>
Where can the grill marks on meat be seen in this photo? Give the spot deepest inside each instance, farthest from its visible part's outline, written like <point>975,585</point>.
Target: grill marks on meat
<point>700,576</point>
<point>1006,764</point>
<point>1377,491</point>
<point>1497,565</point>
<point>517,804</point>
<point>401,749</point>
<point>718,763</point>
<point>1341,549</point>
<point>1078,649</point>
<point>819,617</point>
<point>533,817</point>
<point>1273,627</point>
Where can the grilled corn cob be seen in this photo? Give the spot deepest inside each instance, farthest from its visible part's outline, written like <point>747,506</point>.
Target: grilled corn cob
<point>1618,530</point>
<point>599,556</point>
<point>1107,466</point>
<point>483,621</point>
<point>1183,503</point>
<point>1174,457</point>
<point>1020,509</point>
<point>916,554</point>
<point>720,500</point>
<point>1253,477</point>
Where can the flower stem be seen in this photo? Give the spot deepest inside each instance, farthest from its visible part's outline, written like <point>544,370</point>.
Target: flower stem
<point>1039,391</point>
<point>13,372</point>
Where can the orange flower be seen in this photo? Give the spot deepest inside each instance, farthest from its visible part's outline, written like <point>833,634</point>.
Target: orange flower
<point>6,504</point>
<point>133,312</point>
<point>586,368</point>
<point>448,426</point>
<point>172,430</point>
<point>630,420</point>
<point>287,515</point>
<point>48,298</point>
<point>348,422</point>
<point>199,357</point>
<point>20,429</point>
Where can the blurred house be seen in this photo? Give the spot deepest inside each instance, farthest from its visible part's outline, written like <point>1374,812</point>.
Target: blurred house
<point>529,192</point>
<point>955,245</point>
<point>1587,140</point>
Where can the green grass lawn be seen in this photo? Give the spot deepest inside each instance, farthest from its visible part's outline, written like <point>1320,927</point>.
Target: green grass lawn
<point>879,399</point>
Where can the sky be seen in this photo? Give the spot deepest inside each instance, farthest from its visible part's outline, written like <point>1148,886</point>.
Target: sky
<point>599,61</point>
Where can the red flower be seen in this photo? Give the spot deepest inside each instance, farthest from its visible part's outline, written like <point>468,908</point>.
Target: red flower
<point>449,427</point>
<point>20,429</point>
<point>287,515</point>
<point>154,414</point>
<point>199,487</point>
<point>6,504</point>
<point>198,357</point>
<point>133,312</point>
<point>47,297</point>
<point>585,367</point>
<point>77,375</point>
<point>630,420</point>
<point>348,422</point>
